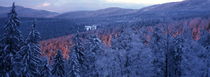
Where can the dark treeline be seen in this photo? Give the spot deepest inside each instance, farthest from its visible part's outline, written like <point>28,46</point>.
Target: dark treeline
<point>48,27</point>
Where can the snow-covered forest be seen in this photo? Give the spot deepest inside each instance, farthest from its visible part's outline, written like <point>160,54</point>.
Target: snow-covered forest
<point>165,50</point>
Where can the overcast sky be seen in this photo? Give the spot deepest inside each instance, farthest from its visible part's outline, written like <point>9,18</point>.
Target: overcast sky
<point>75,5</point>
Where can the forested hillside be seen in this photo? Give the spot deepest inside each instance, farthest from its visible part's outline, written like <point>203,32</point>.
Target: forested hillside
<point>173,41</point>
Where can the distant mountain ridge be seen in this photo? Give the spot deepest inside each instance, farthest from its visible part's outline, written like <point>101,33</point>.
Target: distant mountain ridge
<point>188,5</point>
<point>185,8</point>
<point>113,11</point>
<point>27,12</point>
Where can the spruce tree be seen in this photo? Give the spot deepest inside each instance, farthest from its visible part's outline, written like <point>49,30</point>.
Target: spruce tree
<point>58,66</point>
<point>76,57</point>
<point>10,43</point>
<point>30,55</point>
<point>45,70</point>
<point>94,45</point>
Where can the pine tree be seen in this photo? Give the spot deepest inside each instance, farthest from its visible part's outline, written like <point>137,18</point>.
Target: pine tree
<point>45,70</point>
<point>95,45</point>
<point>58,66</point>
<point>10,43</point>
<point>76,57</point>
<point>30,54</point>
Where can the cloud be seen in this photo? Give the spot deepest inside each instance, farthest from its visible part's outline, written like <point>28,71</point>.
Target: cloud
<point>45,4</point>
<point>141,1</point>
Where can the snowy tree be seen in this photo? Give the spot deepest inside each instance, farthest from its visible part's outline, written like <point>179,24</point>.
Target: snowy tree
<point>93,50</point>
<point>122,45</point>
<point>76,57</point>
<point>45,70</point>
<point>121,42</point>
<point>157,45</point>
<point>95,45</point>
<point>83,55</point>
<point>108,64</point>
<point>206,44</point>
<point>167,52</point>
<point>162,49</point>
<point>58,66</point>
<point>30,55</point>
<point>10,43</point>
<point>132,54</point>
<point>194,60</point>
<point>182,56</point>
<point>174,58</point>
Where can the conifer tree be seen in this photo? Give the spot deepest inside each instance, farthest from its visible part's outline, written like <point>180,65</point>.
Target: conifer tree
<point>76,57</point>
<point>58,66</point>
<point>95,45</point>
<point>10,43</point>
<point>30,54</point>
<point>45,70</point>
